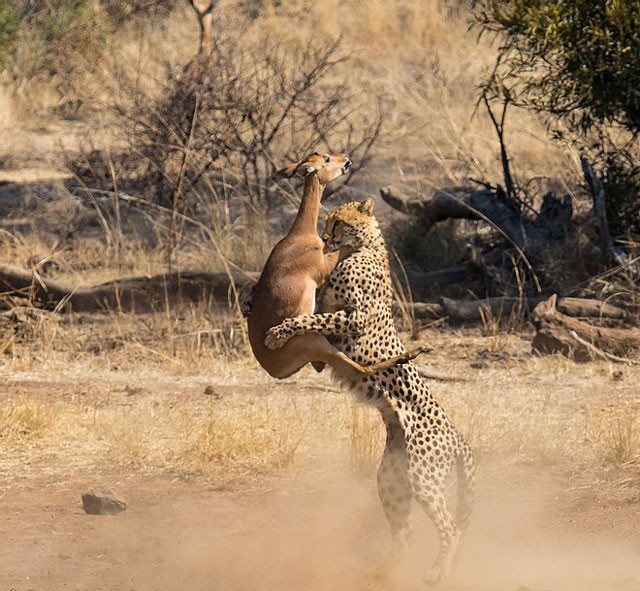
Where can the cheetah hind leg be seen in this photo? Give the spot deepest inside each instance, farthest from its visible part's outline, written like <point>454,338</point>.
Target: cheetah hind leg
<point>448,534</point>
<point>394,492</point>
<point>440,570</point>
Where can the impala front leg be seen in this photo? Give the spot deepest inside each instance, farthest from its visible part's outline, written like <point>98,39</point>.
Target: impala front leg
<point>341,323</point>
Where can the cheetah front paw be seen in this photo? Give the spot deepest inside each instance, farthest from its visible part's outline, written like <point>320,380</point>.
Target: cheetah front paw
<point>276,338</point>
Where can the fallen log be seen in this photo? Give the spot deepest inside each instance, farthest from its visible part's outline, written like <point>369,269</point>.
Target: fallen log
<point>421,310</point>
<point>452,281</point>
<point>589,308</point>
<point>550,223</point>
<point>579,340</point>
<point>129,294</point>
<point>473,310</point>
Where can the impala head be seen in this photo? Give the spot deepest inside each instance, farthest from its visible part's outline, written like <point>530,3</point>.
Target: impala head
<point>349,225</point>
<point>326,167</point>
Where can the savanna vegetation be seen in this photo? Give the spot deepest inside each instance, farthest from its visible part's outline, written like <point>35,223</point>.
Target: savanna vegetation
<point>501,127</point>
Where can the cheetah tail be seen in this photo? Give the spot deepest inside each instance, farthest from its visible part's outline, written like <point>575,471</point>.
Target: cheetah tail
<point>466,480</point>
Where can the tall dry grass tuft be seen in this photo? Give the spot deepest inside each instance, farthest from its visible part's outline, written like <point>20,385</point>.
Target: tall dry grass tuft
<point>256,443</point>
<point>403,298</point>
<point>23,420</point>
<point>619,435</point>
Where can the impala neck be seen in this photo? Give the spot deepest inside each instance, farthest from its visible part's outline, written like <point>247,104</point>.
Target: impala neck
<point>307,219</point>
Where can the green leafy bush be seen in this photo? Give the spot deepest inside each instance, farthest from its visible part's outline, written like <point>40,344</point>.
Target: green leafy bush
<point>9,23</point>
<point>578,59</point>
<point>578,62</point>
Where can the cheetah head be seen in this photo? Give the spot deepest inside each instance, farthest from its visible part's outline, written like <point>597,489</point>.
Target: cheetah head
<point>348,226</point>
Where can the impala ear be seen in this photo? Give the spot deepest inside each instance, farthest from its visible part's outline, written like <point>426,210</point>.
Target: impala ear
<point>366,206</point>
<point>552,302</point>
<point>287,172</point>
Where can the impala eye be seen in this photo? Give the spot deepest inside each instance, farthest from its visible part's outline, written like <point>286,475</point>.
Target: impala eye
<point>327,158</point>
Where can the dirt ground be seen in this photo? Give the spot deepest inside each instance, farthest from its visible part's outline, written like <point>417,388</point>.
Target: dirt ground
<point>322,533</point>
<point>541,523</point>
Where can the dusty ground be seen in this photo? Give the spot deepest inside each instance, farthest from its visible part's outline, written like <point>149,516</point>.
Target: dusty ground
<point>550,515</point>
<point>323,533</point>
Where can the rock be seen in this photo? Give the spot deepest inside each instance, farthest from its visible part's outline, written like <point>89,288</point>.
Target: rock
<point>479,365</point>
<point>101,505</point>
<point>211,391</point>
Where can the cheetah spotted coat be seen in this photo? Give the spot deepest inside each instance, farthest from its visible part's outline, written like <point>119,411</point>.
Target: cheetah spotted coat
<point>422,444</point>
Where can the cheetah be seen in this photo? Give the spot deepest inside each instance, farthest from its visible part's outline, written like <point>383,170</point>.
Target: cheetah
<point>422,445</point>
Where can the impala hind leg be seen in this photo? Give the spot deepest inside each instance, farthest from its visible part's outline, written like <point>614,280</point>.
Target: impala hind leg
<point>315,348</point>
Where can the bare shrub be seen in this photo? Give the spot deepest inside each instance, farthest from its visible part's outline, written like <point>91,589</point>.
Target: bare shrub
<point>246,110</point>
<point>224,124</point>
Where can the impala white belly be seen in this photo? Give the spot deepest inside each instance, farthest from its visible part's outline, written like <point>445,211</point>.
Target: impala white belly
<point>308,304</point>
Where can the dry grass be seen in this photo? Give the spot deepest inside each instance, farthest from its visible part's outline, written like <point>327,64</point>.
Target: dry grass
<point>22,420</point>
<point>182,342</point>
<point>200,413</point>
<point>93,432</point>
<point>366,439</point>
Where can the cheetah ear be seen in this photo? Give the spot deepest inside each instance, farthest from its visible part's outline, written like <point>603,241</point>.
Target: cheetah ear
<point>366,206</point>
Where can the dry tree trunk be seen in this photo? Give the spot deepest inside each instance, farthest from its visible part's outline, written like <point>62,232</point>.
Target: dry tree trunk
<point>483,204</point>
<point>558,333</point>
<point>204,11</point>
<point>599,209</point>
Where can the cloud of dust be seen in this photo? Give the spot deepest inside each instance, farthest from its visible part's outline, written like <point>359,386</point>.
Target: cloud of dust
<point>327,533</point>
<point>526,535</point>
<point>330,535</point>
